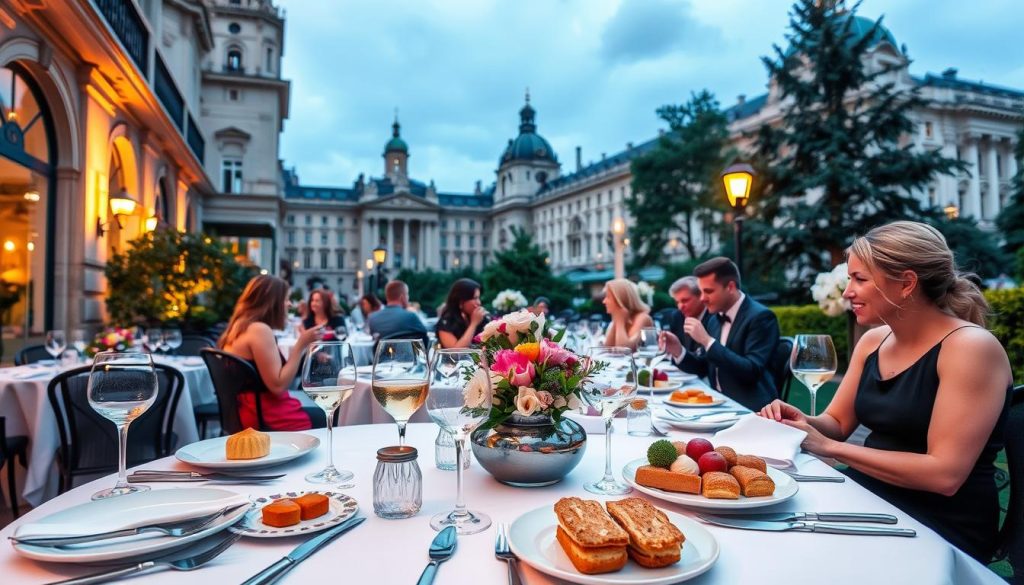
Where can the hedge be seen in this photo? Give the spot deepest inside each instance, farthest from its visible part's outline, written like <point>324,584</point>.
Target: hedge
<point>810,319</point>
<point>1006,322</point>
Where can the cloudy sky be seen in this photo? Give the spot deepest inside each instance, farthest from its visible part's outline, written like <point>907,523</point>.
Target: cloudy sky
<point>597,70</point>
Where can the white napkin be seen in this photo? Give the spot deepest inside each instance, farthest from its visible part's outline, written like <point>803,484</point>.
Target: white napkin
<point>131,511</point>
<point>772,441</point>
<point>593,425</point>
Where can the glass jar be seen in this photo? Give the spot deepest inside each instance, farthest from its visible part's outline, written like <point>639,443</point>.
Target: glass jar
<point>397,483</point>
<point>638,418</point>
<point>444,452</point>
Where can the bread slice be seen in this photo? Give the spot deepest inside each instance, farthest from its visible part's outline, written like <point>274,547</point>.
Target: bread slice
<point>653,540</point>
<point>663,479</point>
<point>592,559</point>
<point>587,524</point>
<point>719,485</point>
<point>752,462</point>
<point>753,482</point>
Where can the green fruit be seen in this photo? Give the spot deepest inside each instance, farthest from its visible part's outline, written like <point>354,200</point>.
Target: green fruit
<point>661,453</point>
<point>644,378</point>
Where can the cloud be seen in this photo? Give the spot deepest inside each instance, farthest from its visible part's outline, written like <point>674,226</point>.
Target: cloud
<point>650,29</point>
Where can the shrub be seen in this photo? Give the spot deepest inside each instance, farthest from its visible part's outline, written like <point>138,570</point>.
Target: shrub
<point>810,319</point>
<point>1006,322</point>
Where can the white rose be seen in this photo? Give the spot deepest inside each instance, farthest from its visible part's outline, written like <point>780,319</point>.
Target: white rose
<point>574,403</point>
<point>477,390</point>
<point>520,321</point>
<point>527,401</point>
<point>490,330</point>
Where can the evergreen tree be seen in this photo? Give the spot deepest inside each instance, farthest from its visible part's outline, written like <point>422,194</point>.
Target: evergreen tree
<point>1011,218</point>
<point>524,267</point>
<point>835,166</point>
<point>675,185</point>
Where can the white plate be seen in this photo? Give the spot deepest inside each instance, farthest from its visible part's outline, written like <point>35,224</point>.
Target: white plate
<point>211,454</point>
<point>695,425</point>
<point>715,402</point>
<point>532,538</point>
<point>785,488</point>
<point>340,508</point>
<point>126,507</point>
<point>680,376</point>
<point>672,385</point>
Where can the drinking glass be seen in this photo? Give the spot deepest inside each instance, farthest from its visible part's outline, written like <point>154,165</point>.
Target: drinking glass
<point>172,339</point>
<point>56,342</point>
<point>459,399</point>
<point>610,389</point>
<point>79,342</point>
<point>328,378</point>
<point>121,387</point>
<point>399,379</point>
<point>152,339</point>
<point>813,362</point>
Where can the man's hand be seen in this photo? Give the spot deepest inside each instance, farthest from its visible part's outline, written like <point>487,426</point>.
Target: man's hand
<point>695,329</point>
<point>670,343</point>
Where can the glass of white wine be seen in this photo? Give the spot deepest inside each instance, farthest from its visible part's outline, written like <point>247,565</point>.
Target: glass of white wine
<point>813,362</point>
<point>328,378</point>
<point>399,379</point>
<point>609,390</point>
<point>121,387</point>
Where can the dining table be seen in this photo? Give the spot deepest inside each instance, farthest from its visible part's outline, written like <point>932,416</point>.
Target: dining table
<point>395,551</point>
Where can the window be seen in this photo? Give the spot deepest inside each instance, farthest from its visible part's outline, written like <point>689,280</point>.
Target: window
<point>458,225</point>
<point>323,220</point>
<point>458,240</point>
<point>341,238</point>
<point>444,261</point>
<point>323,239</point>
<point>291,218</point>
<point>291,237</point>
<point>231,173</point>
<point>485,241</point>
<point>307,259</point>
<point>323,259</point>
<point>472,240</point>
<point>444,240</point>
<point>234,60</point>
<point>270,60</point>
<point>444,224</point>
<point>234,28</point>
<point>341,220</point>
<point>340,258</point>
<point>309,238</point>
<point>472,224</point>
<point>309,219</point>
<point>234,95</point>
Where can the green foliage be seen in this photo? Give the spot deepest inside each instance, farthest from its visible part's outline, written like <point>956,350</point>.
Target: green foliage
<point>524,267</point>
<point>430,287</point>
<point>1011,218</point>
<point>168,276</point>
<point>839,136</point>
<point>798,319</point>
<point>675,186</point>
<point>1006,322</point>
<point>975,250</point>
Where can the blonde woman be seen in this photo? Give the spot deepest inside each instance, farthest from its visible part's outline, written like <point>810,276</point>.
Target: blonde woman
<point>930,382</point>
<point>629,314</point>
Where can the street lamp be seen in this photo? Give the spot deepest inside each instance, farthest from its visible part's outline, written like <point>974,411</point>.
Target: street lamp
<point>380,255</point>
<point>738,179</point>
<point>618,229</point>
<point>952,211</point>
<point>369,276</point>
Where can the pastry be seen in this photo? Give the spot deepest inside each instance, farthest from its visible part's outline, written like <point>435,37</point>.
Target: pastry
<point>680,447</point>
<point>752,461</point>
<point>248,444</point>
<point>683,464</point>
<point>663,479</point>
<point>719,485</point>
<point>728,453</point>
<point>281,513</point>
<point>591,540</point>
<point>653,540</point>
<point>313,505</point>
<point>753,482</point>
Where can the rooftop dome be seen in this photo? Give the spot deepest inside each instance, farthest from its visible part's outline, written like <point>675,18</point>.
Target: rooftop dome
<point>396,143</point>
<point>528,146</point>
<point>859,28</point>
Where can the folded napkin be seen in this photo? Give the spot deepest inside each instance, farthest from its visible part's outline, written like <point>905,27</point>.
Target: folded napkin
<point>131,511</point>
<point>776,443</point>
<point>593,425</point>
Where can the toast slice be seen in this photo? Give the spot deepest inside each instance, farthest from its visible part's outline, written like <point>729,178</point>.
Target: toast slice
<point>592,559</point>
<point>670,481</point>
<point>653,540</point>
<point>587,524</point>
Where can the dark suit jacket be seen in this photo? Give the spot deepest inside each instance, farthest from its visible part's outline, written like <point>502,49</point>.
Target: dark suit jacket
<point>676,327</point>
<point>742,367</point>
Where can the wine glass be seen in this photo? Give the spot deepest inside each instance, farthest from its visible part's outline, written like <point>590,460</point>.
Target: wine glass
<point>78,341</point>
<point>121,387</point>
<point>399,381</point>
<point>609,390</point>
<point>459,399</point>
<point>813,362</point>
<point>648,350</point>
<point>328,378</point>
<point>56,342</point>
<point>172,339</point>
<point>152,339</point>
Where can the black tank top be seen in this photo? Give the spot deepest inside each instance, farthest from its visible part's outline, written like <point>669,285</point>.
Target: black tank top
<point>898,411</point>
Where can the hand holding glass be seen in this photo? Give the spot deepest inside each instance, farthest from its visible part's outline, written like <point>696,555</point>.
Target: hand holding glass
<point>609,390</point>
<point>399,380</point>
<point>813,362</point>
<point>328,378</point>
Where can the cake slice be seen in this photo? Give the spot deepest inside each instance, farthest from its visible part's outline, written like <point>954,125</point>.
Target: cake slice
<point>653,540</point>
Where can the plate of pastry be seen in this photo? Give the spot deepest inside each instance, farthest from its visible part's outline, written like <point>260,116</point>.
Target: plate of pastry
<point>248,449</point>
<point>295,513</point>
<point>697,474</point>
<point>692,398</point>
<point>627,541</point>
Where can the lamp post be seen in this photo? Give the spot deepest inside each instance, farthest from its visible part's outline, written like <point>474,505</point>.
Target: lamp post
<point>359,284</point>
<point>952,211</point>
<point>618,229</point>
<point>738,179</point>
<point>380,255</point>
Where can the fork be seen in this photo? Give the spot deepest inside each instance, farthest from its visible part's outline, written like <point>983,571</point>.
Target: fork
<point>502,552</point>
<point>185,564</point>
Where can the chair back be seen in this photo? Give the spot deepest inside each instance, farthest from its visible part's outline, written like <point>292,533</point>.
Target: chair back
<point>781,368</point>
<point>191,344</point>
<point>88,441</point>
<point>31,354</point>
<point>1011,535</point>
<point>233,376</point>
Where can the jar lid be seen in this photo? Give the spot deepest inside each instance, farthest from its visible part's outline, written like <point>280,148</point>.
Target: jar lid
<point>397,454</point>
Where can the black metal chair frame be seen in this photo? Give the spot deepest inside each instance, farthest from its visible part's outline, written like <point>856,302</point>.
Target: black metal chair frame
<point>783,376</point>
<point>1011,535</point>
<point>11,451</point>
<point>31,354</point>
<point>227,385</point>
<point>199,342</point>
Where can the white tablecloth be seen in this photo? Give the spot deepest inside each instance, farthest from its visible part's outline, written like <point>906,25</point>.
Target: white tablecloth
<point>395,551</point>
<point>362,348</point>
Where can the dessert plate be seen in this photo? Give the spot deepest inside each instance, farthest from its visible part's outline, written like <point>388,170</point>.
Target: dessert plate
<point>785,488</point>
<point>532,538</point>
<point>716,400</point>
<point>340,508</point>
<point>211,454</point>
<point>667,387</point>
<point>715,422</point>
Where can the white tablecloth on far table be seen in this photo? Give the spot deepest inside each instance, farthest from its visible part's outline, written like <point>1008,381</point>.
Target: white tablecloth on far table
<point>395,551</point>
<point>362,408</point>
<point>362,348</point>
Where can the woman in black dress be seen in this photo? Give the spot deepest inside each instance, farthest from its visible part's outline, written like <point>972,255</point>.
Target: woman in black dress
<point>463,317</point>
<point>321,311</point>
<point>930,382</point>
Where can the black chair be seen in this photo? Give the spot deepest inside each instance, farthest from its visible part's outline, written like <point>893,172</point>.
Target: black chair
<point>1011,535</point>
<point>781,368</point>
<point>88,441</point>
<point>204,413</point>
<point>191,344</point>
<point>31,354</point>
<point>12,448</point>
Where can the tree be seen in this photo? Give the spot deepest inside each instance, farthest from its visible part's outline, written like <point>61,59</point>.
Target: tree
<point>430,288</point>
<point>1011,218</point>
<point>524,267</point>
<point>975,250</point>
<point>834,166</point>
<point>675,184</point>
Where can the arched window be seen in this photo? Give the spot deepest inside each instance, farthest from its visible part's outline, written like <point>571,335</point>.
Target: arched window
<point>234,62</point>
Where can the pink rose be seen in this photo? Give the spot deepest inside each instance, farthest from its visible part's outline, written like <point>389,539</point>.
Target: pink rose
<point>553,354</point>
<point>514,366</point>
<point>527,401</point>
<point>545,398</point>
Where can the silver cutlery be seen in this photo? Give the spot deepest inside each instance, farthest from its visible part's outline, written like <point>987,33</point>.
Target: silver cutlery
<point>188,563</point>
<point>502,551</point>
<point>274,572</point>
<point>176,529</point>
<point>812,517</point>
<point>690,417</point>
<point>817,527</point>
<point>441,549</point>
<point>814,478</point>
<point>151,476</point>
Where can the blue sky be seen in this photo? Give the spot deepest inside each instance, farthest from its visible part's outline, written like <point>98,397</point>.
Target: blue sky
<point>597,71</point>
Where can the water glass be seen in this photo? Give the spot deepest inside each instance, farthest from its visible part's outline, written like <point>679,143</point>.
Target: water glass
<point>79,342</point>
<point>813,362</point>
<point>399,381</point>
<point>638,418</point>
<point>444,452</point>
<point>121,387</point>
<point>610,389</point>
<point>328,378</point>
<point>172,339</point>
<point>152,339</point>
<point>56,342</point>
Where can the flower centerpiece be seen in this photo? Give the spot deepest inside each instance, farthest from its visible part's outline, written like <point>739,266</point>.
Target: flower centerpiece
<point>526,441</point>
<point>110,339</point>
<point>828,288</point>
<point>509,300</point>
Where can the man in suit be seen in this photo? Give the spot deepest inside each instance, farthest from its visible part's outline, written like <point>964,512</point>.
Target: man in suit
<point>395,320</point>
<point>686,293</point>
<point>738,341</point>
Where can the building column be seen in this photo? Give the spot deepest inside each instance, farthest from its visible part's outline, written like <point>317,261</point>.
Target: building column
<point>973,203</point>
<point>406,256</point>
<point>1011,160</point>
<point>366,242</point>
<point>429,245</point>
<point>420,242</point>
<point>390,262</point>
<point>992,200</point>
<point>948,185</point>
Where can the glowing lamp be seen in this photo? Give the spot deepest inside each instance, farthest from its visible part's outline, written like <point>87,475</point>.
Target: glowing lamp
<point>738,179</point>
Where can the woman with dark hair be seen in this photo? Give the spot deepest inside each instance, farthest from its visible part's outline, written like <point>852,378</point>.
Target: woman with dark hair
<point>321,311</point>
<point>250,336</point>
<point>463,317</point>
<point>369,304</point>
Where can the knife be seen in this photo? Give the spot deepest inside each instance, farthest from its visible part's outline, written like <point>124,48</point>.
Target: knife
<point>811,517</point>
<point>819,527</point>
<point>274,572</point>
<point>441,549</point>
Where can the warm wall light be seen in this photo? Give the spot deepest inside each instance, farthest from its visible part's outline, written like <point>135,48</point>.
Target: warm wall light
<point>121,205</point>
<point>952,211</point>
<point>618,226</point>
<point>369,264</point>
<point>9,246</point>
<point>32,195</point>
<point>31,246</point>
<point>738,179</point>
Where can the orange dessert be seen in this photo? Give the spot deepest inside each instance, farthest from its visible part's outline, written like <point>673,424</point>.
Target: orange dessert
<point>248,444</point>
<point>282,513</point>
<point>313,505</point>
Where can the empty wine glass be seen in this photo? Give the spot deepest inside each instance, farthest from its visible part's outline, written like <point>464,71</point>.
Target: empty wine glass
<point>121,387</point>
<point>172,339</point>
<point>56,342</point>
<point>152,339</point>
<point>79,342</point>
<point>459,399</point>
<point>328,377</point>
<point>399,381</point>
<point>813,362</point>
<point>609,391</point>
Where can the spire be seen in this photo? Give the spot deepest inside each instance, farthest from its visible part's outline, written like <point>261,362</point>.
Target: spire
<point>526,117</point>
<point>395,127</point>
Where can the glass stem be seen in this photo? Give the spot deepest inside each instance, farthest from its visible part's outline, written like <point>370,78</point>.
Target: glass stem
<point>330,439</point>
<point>122,456</point>
<point>814,396</point>
<point>401,434</point>
<point>460,504</point>
<point>608,450</point>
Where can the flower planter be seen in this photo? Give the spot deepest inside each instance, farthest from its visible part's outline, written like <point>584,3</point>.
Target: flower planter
<point>530,451</point>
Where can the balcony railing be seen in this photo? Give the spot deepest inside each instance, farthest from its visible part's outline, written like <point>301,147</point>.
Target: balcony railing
<point>195,140</point>
<point>129,27</point>
<point>168,94</point>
